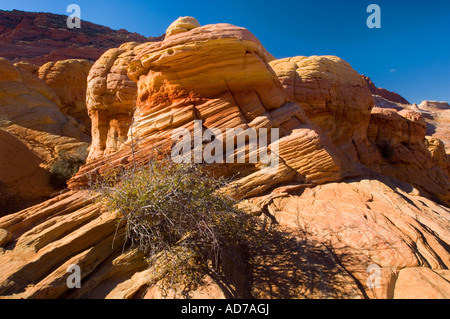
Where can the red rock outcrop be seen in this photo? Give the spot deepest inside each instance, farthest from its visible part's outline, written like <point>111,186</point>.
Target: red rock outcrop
<point>386,94</point>
<point>43,37</point>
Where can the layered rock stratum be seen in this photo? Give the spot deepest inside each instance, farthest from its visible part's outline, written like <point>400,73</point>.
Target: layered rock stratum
<point>358,190</point>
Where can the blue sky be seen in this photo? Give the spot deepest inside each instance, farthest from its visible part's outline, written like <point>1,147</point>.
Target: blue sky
<point>410,54</point>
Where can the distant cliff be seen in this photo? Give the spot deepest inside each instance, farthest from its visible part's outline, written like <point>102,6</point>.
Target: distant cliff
<point>386,94</point>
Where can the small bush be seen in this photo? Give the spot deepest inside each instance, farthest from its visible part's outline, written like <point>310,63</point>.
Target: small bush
<point>175,214</point>
<point>62,170</point>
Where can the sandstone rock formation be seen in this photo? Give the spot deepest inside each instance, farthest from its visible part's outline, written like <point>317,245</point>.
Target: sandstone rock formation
<point>433,105</point>
<point>33,68</point>
<point>335,97</point>
<point>177,85</point>
<point>342,219</point>
<point>42,37</point>
<point>400,138</point>
<point>68,79</point>
<point>341,230</point>
<point>21,175</point>
<point>437,116</point>
<point>182,24</point>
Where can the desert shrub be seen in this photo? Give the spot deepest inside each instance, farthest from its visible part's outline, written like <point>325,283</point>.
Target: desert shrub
<point>9,200</point>
<point>175,214</point>
<point>62,170</point>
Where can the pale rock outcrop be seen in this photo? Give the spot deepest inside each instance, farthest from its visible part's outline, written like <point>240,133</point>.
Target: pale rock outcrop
<point>437,116</point>
<point>405,154</point>
<point>182,24</point>
<point>29,110</point>
<point>432,105</point>
<point>68,79</point>
<point>31,67</point>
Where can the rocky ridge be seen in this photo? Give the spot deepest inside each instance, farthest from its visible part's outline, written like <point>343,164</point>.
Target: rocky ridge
<point>44,37</point>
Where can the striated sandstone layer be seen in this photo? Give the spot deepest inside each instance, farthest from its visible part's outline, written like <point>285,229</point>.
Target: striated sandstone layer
<point>110,99</point>
<point>333,233</point>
